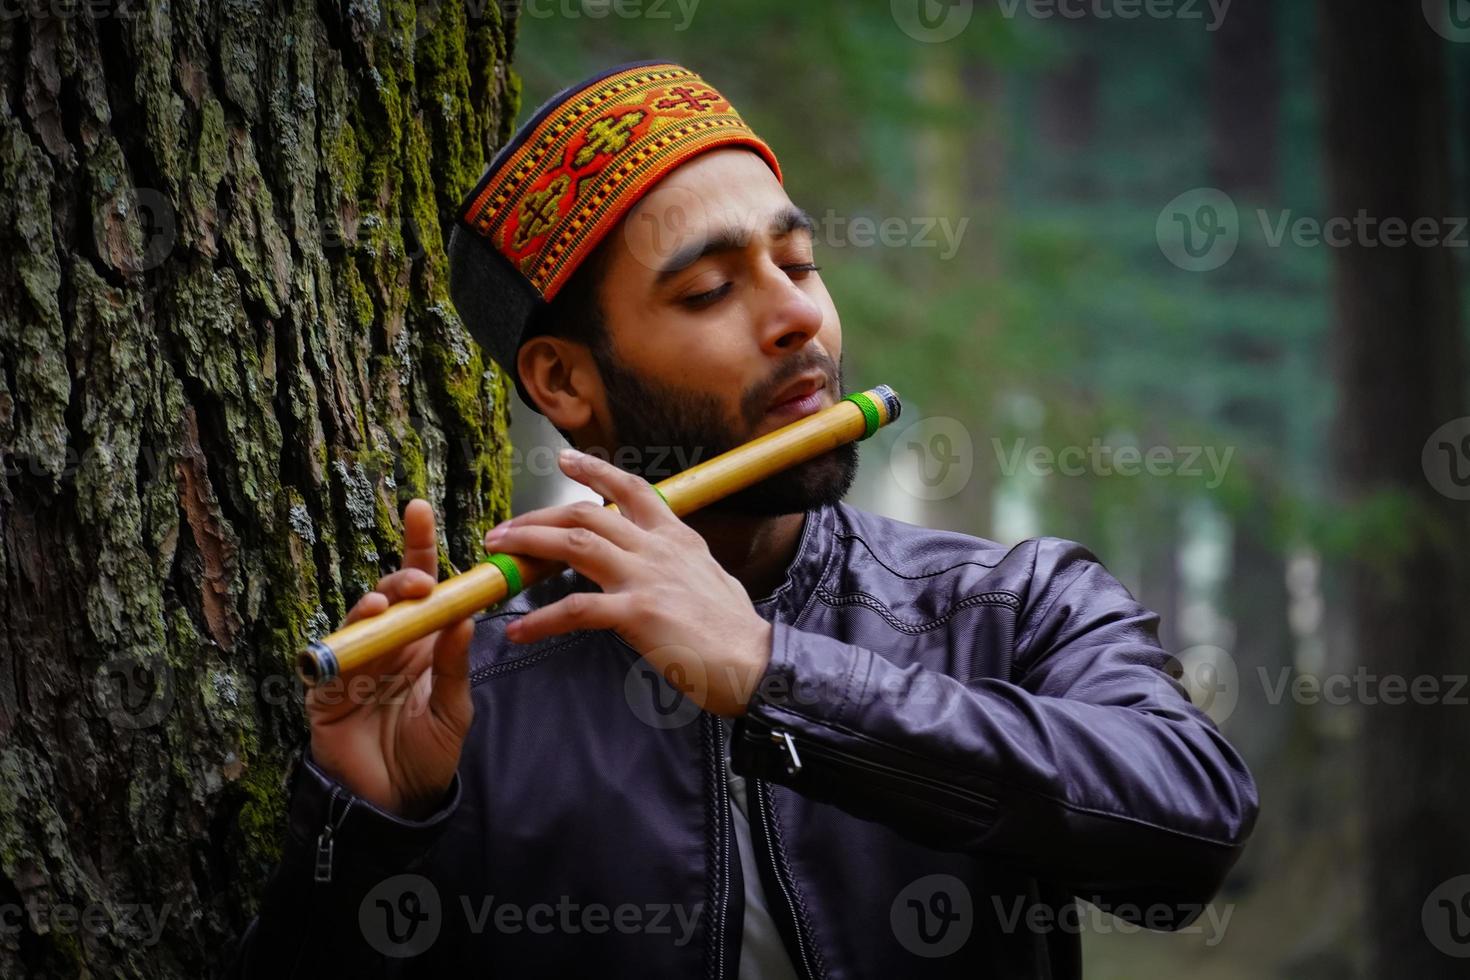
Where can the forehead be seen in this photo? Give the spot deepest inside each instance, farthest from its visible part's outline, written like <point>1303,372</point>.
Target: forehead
<point>725,188</point>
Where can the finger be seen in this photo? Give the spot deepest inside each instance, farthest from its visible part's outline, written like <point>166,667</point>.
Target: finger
<point>449,697</point>
<point>407,583</point>
<point>609,524</point>
<point>584,550</point>
<point>420,542</point>
<point>578,611</point>
<point>634,495</point>
<point>369,605</point>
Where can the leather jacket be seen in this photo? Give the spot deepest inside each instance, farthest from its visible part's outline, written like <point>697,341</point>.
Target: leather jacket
<point>954,740</point>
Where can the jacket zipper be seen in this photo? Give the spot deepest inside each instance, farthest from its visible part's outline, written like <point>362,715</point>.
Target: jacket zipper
<point>723,846</point>
<point>784,740</point>
<point>326,841</point>
<point>766,814</point>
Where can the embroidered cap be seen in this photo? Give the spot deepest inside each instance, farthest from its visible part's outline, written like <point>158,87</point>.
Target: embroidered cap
<point>552,194</point>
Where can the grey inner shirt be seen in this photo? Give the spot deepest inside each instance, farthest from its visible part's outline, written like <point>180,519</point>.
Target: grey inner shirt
<point>762,955</point>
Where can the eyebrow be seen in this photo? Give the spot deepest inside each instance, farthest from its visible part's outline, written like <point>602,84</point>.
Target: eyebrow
<point>783,223</point>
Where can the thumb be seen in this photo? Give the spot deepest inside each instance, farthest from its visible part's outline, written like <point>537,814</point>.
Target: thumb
<point>420,541</point>
<point>449,695</point>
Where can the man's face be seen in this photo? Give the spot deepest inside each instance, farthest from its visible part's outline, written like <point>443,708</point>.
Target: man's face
<point>713,312</point>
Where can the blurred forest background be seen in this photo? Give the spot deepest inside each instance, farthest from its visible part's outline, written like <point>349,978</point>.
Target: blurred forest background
<point>1034,302</point>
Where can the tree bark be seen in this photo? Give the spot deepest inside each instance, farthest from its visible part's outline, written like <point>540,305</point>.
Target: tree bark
<point>227,358</point>
<point>1401,376</point>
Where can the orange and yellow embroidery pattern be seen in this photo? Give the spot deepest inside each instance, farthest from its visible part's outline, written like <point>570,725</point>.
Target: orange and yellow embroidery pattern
<point>590,160</point>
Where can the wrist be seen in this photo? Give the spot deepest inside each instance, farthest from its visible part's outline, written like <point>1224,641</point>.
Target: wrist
<point>757,660</point>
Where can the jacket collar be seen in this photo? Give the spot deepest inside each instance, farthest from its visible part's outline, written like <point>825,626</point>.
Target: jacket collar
<point>813,552</point>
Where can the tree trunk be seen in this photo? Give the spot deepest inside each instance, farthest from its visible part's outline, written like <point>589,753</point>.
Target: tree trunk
<point>1245,99</point>
<point>228,359</point>
<point>1401,376</point>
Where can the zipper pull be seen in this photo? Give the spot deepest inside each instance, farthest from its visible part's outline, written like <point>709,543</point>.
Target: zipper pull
<point>787,745</point>
<point>326,843</point>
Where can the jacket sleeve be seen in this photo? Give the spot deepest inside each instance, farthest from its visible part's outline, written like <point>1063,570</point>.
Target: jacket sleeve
<point>1089,767</point>
<point>311,921</point>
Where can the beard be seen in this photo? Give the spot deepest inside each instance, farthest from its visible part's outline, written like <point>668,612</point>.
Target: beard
<point>666,429</point>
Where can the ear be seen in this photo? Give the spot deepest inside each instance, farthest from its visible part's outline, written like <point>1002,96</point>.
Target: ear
<point>562,379</point>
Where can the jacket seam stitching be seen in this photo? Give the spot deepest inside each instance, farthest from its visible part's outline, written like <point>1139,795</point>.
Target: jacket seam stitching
<point>831,559</point>
<point>997,598</point>
<point>853,535</point>
<point>519,663</point>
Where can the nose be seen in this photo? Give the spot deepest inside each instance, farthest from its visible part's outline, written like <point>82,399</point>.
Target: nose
<point>788,316</point>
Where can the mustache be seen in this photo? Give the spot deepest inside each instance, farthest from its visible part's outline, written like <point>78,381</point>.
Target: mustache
<point>758,399</point>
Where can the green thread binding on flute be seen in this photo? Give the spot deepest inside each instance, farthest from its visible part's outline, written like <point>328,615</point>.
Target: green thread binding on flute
<point>507,568</point>
<point>660,495</point>
<point>870,412</point>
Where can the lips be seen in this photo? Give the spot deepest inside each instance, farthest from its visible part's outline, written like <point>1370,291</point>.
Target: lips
<point>806,385</point>
<point>801,398</point>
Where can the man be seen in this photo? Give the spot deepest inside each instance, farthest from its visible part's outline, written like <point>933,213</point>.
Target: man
<point>779,738</point>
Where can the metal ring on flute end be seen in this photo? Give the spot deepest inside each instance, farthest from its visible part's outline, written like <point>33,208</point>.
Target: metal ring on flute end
<point>317,664</point>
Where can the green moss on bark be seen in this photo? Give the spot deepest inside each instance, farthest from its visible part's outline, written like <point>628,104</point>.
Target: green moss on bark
<point>229,359</point>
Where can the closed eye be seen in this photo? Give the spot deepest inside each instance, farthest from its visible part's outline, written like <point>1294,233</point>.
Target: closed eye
<point>706,298</point>
<point>710,297</point>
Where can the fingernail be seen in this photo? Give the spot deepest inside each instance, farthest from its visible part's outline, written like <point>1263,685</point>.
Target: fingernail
<point>570,455</point>
<point>494,537</point>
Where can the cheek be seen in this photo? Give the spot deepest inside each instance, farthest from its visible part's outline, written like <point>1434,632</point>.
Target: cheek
<point>830,335</point>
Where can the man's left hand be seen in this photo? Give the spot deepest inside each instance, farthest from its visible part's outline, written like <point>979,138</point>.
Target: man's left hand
<point>662,590</point>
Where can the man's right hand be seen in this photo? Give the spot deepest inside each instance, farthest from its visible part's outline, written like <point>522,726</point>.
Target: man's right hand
<point>391,730</point>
